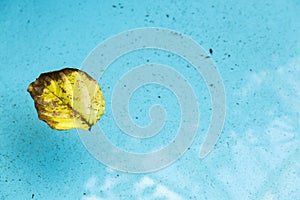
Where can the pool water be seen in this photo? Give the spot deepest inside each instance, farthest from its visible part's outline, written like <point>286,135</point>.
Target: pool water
<point>255,46</point>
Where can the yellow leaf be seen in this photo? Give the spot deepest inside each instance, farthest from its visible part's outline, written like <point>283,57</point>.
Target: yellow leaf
<point>68,98</point>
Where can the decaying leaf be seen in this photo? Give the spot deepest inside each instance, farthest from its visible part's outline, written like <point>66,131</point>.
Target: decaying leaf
<point>68,98</point>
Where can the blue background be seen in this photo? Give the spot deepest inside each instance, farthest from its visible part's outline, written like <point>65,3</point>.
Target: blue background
<point>256,48</point>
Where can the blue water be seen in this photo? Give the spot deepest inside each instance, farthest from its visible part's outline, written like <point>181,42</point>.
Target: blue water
<point>256,48</point>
